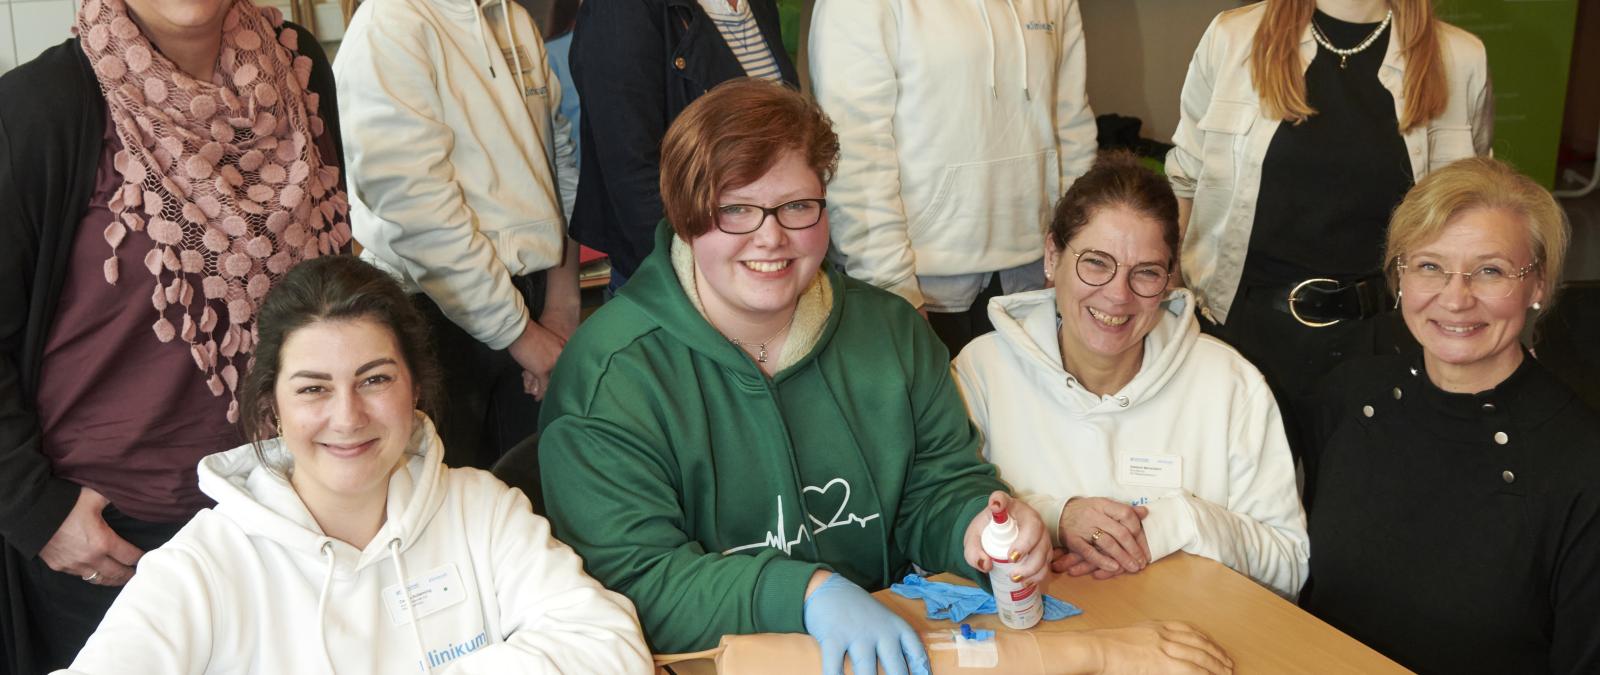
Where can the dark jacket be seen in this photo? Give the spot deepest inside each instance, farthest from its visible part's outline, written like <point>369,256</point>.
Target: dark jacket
<point>52,124</point>
<point>637,64</point>
<point>1456,533</point>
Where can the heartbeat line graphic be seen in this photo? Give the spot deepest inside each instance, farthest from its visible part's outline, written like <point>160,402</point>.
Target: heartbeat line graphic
<point>778,539</point>
<point>843,504</point>
<point>774,539</point>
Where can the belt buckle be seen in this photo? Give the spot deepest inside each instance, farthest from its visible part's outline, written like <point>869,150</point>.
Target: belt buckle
<point>1295,292</point>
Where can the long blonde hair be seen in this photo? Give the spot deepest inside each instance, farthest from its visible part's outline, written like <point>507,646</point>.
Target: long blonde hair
<point>1280,76</point>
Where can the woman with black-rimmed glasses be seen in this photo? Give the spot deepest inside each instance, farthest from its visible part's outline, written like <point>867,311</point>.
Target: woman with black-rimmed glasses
<point>745,440</point>
<point>1455,496</point>
<point>1133,435</point>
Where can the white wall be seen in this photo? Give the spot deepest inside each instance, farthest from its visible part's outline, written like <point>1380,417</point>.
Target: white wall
<point>1139,51</point>
<point>28,27</point>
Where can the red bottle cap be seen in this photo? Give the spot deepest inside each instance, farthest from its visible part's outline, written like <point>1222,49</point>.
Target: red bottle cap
<point>1001,516</point>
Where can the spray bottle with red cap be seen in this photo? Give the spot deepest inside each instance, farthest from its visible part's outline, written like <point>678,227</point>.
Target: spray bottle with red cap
<point>1020,606</point>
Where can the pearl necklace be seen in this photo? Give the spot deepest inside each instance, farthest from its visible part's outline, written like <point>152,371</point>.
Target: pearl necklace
<point>1345,54</point>
<point>761,347</point>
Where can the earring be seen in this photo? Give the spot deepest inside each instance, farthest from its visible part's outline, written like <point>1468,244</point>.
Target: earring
<point>1536,306</point>
<point>278,421</point>
<point>1397,295</point>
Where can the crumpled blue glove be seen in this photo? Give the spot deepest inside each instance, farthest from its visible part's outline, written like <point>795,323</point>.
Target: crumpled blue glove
<point>844,618</point>
<point>956,602</point>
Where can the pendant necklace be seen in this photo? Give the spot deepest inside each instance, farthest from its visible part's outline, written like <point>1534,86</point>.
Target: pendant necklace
<point>761,347</point>
<point>1345,54</point>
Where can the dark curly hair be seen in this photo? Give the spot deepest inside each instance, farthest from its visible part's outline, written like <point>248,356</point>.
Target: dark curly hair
<point>331,288</point>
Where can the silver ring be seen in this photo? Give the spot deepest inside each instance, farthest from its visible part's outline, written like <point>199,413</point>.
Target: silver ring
<point>92,576</point>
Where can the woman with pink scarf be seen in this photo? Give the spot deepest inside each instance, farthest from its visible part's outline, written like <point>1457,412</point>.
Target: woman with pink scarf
<point>159,172</point>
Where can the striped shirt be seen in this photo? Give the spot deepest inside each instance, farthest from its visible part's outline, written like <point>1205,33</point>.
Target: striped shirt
<point>738,28</point>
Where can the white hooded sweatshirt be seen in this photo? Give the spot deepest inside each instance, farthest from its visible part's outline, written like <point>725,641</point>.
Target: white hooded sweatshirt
<point>1195,437</point>
<point>960,122</point>
<point>254,586</point>
<point>461,174</point>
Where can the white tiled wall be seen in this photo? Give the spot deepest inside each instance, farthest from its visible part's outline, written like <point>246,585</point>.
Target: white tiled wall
<point>37,25</point>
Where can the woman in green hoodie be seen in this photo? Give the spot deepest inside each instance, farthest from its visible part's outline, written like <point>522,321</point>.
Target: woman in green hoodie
<point>746,441</point>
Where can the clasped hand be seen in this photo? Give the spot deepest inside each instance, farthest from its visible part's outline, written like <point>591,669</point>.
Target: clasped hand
<point>1103,537</point>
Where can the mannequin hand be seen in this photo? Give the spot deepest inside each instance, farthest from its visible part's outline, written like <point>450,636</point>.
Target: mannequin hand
<point>1032,553</point>
<point>1159,647</point>
<point>846,620</point>
<point>1121,546</point>
<point>84,545</point>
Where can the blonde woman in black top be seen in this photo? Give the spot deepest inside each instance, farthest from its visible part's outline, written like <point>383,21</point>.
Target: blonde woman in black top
<point>1455,496</point>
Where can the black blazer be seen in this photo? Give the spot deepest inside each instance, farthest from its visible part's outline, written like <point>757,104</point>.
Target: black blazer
<point>52,122</point>
<point>637,64</point>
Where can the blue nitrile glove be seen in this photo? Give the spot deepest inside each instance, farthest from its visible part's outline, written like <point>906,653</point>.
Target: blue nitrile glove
<point>955,602</point>
<point>845,619</point>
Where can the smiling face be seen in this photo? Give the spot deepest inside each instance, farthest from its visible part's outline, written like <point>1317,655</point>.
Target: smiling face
<point>1469,343</point>
<point>754,280</point>
<point>1107,324</point>
<point>179,18</point>
<point>345,400</point>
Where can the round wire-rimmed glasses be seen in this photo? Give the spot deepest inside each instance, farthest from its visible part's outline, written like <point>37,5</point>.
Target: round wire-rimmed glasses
<point>792,215</point>
<point>1098,268</point>
<point>1488,282</point>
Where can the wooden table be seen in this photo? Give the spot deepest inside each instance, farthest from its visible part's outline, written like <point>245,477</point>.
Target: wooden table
<point>1262,632</point>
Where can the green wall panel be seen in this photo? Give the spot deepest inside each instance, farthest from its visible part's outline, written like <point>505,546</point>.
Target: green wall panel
<point>1530,52</point>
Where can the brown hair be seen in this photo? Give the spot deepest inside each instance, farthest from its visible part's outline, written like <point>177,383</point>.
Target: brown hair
<point>1117,179</point>
<point>1280,77</point>
<point>732,136</point>
<point>330,288</point>
<point>1480,183</point>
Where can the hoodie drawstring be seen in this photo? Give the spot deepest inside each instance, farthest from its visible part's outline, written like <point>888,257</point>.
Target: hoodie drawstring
<point>1022,44</point>
<point>488,56</point>
<point>988,36</point>
<point>516,58</point>
<point>322,606</point>
<point>411,610</point>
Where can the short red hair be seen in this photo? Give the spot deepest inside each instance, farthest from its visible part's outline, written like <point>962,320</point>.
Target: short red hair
<point>731,137</point>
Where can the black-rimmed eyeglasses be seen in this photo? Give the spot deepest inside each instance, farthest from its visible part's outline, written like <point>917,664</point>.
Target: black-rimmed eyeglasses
<point>746,218</point>
<point>1098,268</point>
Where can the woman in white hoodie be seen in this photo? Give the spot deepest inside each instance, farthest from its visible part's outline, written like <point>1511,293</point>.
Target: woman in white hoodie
<point>1106,409</point>
<point>298,569</point>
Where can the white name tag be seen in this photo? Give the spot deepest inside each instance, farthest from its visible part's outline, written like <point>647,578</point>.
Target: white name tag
<point>429,593</point>
<point>1150,470</point>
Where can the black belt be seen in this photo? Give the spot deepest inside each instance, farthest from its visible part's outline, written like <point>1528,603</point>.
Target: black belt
<point>1318,303</point>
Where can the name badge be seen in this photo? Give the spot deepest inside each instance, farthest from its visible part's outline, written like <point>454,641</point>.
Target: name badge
<point>428,594</point>
<point>1150,470</point>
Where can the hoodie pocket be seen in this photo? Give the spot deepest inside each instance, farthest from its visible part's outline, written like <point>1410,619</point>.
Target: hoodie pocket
<point>993,205</point>
<point>1226,126</point>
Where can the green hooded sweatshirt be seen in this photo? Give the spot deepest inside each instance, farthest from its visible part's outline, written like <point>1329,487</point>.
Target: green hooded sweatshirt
<point>709,494</point>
